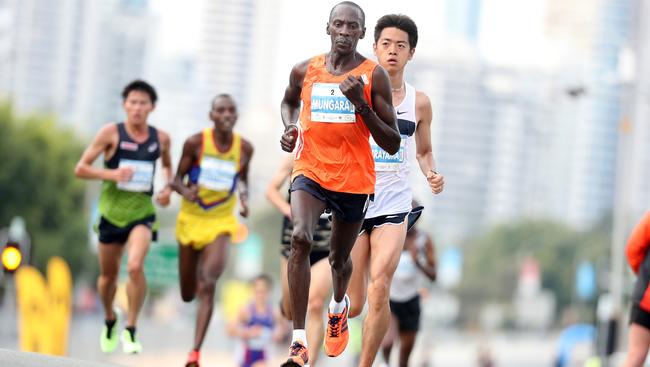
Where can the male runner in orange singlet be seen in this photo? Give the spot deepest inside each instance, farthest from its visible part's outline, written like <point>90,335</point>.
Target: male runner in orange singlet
<point>345,98</point>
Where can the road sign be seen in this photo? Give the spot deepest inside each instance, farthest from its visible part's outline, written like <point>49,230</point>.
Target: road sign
<point>160,265</point>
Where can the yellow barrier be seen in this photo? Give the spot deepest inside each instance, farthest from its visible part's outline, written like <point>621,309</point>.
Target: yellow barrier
<point>235,294</point>
<point>44,308</point>
<point>60,285</point>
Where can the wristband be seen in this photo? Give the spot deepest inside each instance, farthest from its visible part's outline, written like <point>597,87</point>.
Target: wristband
<point>363,110</point>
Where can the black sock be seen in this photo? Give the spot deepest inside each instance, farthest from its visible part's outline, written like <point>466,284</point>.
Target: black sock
<point>109,327</point>
<point>131,330</point>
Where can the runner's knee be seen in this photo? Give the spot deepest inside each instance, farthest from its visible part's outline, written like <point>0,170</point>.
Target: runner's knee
<point>378,291</point>
<point>209,277</point>
<point>108,278</point>
<point>338,260</point>
<point>135,268</point>
<point>206,289</point>
<point>300,242</point>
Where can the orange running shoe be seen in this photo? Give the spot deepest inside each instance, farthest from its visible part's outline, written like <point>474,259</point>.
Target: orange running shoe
<point>193,359</point>
<point>298,355</point>
<point>337,334</point>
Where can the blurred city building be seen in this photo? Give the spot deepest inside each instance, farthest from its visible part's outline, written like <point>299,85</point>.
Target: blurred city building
<point>115,50</point>
<point>638,127</point>
<point>528,140</point>
<point>72,57</point>
<point>40,53</point>
<point>236,53</point>
<point>515,136</point>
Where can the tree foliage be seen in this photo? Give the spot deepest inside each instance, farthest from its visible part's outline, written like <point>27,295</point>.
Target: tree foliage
<point>493,259</point>
<point>37,182</point>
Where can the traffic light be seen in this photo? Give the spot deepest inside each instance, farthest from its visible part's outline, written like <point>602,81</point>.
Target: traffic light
<point>11,257</point>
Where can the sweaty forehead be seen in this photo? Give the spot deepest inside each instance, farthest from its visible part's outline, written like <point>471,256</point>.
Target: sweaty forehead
<point>346,13</point>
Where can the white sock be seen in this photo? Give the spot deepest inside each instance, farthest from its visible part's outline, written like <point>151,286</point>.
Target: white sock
<point>299,335</point>
<point>338,307</point>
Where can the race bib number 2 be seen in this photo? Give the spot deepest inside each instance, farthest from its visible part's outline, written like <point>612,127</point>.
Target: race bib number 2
<point>328,104</point>
<point>142,179</point>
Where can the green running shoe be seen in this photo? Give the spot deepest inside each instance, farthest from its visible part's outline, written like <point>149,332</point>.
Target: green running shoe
<point>130,345</point>
<point>108,341</point>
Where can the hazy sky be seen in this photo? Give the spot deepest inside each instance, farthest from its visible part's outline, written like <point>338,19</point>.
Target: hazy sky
<point>510,31</point>
<point>180,22</point>
<point>179,30</point>
<point>300,29</point>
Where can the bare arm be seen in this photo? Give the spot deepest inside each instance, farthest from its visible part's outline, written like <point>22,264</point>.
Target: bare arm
<point>382,121</point>
<point>165,155</point>
<point>188,157</point>
<point>105,139</point>
<point>424,153</point>
<point>277,181</point>
<point>290,107</point>
<point>429,268</point>
<point>162,198</point>
<point>247,149</point>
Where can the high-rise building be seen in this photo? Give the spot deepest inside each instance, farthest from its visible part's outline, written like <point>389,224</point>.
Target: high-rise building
<point>591,51</point>
<point>42,48</point>
<point>237,56</point>
<point>71,57</point>
<point>462,18</point>
<point>488,137</point>
<point>530,140</point>
<point>227,47</point>
<point>637,164</point>
<point>115,50</point>
<point>6,48</point>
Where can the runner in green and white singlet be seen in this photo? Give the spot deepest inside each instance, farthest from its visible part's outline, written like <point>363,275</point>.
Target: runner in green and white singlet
<point>128,217</point>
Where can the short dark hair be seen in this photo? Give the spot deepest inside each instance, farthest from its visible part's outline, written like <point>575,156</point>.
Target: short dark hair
<point>353,4</point>
<point>265,278</point>
<point>219,96</point>
<point>401,22</point>
<point>142,86</point>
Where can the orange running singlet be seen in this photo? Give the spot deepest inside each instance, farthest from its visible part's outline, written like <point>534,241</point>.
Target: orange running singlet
<point>638,243</point>
<point>333,146</point>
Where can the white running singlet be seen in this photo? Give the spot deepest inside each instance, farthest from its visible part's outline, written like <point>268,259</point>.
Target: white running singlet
<point>392,191</point>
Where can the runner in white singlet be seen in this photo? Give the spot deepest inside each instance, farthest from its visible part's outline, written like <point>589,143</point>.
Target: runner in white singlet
<point>377,250</point>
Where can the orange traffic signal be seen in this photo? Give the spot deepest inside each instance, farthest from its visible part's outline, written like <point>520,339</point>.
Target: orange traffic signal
<point>11,257</point>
